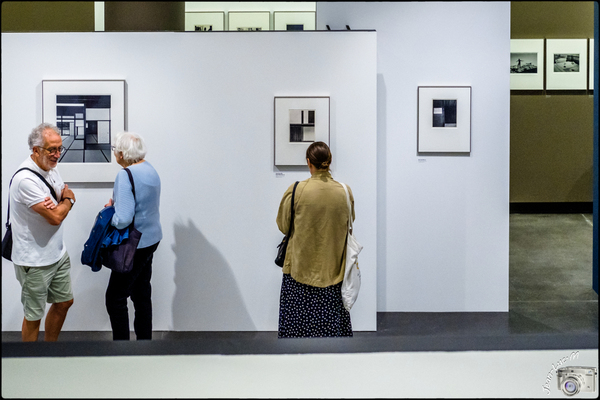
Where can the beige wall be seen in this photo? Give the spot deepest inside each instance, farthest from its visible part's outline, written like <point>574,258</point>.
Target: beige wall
<point>551,132</point>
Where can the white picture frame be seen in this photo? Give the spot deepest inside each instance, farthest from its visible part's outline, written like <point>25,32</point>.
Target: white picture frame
<point>444,119</point>
<point>299,121</point>
<point>249,20</point>
<point>591,69</point>
<point>215,20</point>
<point>89,114</point>
<point>527,64</point>
<point>281,20</point>
<point>566,64</point>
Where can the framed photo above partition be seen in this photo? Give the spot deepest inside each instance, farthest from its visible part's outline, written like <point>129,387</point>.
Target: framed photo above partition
<point>527,64</point>
<point>89,114</point>
<point>444,119</point>
<point>294,21</point>
<point>566,64</point>
<point>249,21</point>
<point>299,121</point>
<point>205,21</point>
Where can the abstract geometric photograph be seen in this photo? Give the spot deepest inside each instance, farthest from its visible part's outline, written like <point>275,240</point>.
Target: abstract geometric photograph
<point>299,121</point>
<point>444,119</point>
<point>89,114</point>
<point>84,124</point>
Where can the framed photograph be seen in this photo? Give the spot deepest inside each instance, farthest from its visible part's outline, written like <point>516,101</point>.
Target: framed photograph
<point>444,119</point>
<point>566,64</point>
<point>249,21</point>
<point>591,52</point>
<point>294,21</point>
<point>527,64</point>
<point>299,121</point>
<point>89,114</point>
<point>204,21</point>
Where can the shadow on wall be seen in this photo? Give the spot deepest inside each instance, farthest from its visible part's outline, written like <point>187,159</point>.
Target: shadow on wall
<point>207,297</point>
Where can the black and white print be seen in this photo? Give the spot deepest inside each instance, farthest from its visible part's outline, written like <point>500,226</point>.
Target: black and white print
<point>302,126</point>
<point>84,124</point>
<point>566,62</point>
<point>523,63</point>
<point>444,113</point>
<point>203,28</point>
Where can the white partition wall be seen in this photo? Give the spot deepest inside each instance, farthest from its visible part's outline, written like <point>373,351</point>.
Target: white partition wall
<point>442,219</point>
<point>204,104</point>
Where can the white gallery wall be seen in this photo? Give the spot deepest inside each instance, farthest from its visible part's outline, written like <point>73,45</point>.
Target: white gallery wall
<point>442,221</point>
<point>204,104</point>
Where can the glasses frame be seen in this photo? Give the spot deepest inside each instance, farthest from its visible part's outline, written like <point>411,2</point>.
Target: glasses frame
<point>60,149</point>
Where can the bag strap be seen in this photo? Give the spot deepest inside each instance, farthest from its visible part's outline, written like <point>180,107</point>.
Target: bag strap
<point>11,179</point>
<point>292,220</point>
<point>133,190</point>
<point>349,207</point>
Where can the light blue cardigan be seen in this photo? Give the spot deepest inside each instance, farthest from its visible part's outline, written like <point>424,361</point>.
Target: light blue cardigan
<point>146,205</point>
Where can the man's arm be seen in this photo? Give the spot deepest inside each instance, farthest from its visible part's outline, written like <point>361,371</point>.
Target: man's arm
<point>57,214</point>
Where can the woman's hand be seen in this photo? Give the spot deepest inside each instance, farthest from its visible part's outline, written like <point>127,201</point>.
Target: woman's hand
<point>110,203</point>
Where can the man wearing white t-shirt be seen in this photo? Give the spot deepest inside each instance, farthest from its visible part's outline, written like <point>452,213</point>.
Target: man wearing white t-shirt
<point>42,264</point>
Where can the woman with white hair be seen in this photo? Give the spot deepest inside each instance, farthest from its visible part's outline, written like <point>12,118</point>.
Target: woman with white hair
<point>130,150</point>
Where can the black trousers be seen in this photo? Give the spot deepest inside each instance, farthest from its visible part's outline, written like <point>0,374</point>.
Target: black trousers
<point>134,284</point>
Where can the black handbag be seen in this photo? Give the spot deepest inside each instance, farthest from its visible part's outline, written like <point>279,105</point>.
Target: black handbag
<point>119,258</point>
<point>7,239</point>
<point>282,247</point>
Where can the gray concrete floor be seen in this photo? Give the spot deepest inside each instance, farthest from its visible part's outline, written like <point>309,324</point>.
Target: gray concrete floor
<point>550,277</point>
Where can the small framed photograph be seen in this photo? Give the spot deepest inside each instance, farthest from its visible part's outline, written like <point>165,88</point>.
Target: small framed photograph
<point>88,114</point>
<point>299,121</point>
<point>566,64</point>
<point>527,64</point>
<point>444,119</point>
<point>249,21</point>
<point>591,53</point>
<point>204,21</point>
<point>294,21</point>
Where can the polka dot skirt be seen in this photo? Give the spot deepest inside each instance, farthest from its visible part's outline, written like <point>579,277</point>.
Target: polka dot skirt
<point>309,311</point>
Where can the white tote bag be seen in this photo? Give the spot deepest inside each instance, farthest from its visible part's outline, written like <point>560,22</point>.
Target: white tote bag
<point>351,282</point>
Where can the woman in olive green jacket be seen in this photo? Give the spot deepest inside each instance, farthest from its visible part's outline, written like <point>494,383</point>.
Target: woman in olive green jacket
<point>311,303</point>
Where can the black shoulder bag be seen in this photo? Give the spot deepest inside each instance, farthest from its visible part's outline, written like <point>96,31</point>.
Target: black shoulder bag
<point>282,247</point>
<point>7,239</point>
<point>119,258</point>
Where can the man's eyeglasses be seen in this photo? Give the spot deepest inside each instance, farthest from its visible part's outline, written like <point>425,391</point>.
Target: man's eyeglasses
<point>53,149</point>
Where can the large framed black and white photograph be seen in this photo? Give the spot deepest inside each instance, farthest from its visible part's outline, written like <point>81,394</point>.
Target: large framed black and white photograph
<point>444,119</point>
<point>566,64</point>
<point>88,114</point>
<point>299,121</point>
<point>527,64</point>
